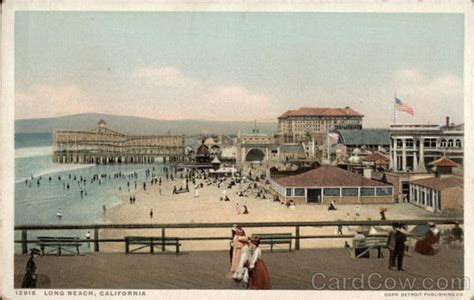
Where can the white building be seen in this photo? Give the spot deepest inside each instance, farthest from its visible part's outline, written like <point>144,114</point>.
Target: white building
<point>414,146</point>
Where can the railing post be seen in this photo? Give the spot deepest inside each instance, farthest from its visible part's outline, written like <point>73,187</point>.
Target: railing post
<point>24,243</point>
<point>297,239</point>
<point>163,239</point>
<point>96,239</point>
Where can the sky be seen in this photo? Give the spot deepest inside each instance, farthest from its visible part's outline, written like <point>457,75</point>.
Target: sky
<point>238,66</point>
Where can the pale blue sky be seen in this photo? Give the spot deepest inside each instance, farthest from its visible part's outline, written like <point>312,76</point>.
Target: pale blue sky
<point>197,65</point>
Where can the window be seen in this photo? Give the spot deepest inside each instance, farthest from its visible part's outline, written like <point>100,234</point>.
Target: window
<point>450,143</point>
<point>288,192</point>
<point>367,192</point>
<point>350,191</point>
<point>384,191</point>
<point>409,143</point>
<point>332,192</point>
<point>299,192</point>
<point>458,144</point>
<point>399,143</point>
<point>442,144</point>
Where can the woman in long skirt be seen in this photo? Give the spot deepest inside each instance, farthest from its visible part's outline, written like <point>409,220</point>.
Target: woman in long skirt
<point>238,243</point>
<point>259,278</point>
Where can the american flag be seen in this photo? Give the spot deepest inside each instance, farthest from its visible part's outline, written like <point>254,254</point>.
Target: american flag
<point>399,105</point>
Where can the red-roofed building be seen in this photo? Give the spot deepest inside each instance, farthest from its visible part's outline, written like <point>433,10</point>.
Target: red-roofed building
<point>328,183</point>
<point>438,194</point>
<point>295,125</point>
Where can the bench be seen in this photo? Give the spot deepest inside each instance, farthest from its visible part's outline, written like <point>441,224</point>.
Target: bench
<point>274,239</point>
<point>58,244</point>
<point>152,242</point>
<point>373,242</point>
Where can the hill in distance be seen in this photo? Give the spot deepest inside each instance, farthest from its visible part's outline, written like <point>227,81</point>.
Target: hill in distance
<point>136,125</point>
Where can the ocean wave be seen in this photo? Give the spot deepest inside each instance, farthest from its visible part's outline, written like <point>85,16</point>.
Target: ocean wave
<point>55,169</point>
<point>33,151</point>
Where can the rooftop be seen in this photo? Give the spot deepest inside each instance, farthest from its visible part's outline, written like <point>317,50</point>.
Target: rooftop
<point>364,136</point>
<point>444,162</point>
<point>377,157</point>
<point>440,184</point>
<point>327,176</point>
<point>292,148</point>
<point>321,112</point>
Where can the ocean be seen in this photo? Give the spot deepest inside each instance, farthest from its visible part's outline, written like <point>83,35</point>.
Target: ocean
<point>38,203</point>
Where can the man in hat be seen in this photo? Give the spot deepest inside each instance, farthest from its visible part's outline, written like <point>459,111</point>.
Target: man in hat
<point>29,280</point>
<point>399,249</point>
<point>391,241</point>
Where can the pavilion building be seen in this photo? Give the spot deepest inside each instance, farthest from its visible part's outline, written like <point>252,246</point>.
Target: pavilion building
<point>328,183</point>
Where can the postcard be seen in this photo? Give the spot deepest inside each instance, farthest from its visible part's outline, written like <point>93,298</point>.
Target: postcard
<point>244,149</point>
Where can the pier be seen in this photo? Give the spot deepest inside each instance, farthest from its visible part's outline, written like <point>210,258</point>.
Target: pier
<point>105,146</point>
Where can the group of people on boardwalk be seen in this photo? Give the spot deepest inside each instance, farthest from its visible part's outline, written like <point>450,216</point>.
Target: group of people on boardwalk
<point>427,244</point>
<point>246,264</point>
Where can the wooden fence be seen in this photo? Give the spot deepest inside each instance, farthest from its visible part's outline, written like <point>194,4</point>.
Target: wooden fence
<point>96,240</point>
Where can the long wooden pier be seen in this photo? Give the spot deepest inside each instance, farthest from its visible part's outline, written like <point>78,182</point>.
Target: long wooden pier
<point>105,146</point>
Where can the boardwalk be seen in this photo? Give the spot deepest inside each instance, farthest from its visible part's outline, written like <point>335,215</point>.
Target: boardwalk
<point>208,270</point>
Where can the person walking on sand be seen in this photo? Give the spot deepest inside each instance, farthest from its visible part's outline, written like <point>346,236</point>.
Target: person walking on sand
<point>357,211</point>
<point>151,213</point>
<point>88,237</point>
<point>59,214</point>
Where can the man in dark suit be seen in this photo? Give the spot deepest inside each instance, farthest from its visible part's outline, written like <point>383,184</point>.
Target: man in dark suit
<point>391,245</point>
<point>396,245</point>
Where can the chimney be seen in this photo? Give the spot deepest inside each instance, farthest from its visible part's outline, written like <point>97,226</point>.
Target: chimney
<point>447,122</point>
<point>347,110</point>
<point>368,173</point>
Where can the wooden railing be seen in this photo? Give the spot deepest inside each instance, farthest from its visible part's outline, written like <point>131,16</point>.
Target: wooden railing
<point>96,240</point>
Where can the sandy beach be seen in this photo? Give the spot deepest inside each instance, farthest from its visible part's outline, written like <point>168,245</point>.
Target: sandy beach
<point>207,208</point>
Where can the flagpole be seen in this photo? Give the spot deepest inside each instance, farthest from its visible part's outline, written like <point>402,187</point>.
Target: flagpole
<point>394,110</point>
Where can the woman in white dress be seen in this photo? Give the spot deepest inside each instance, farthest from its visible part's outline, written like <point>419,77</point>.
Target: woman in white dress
<point>258,274</point>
